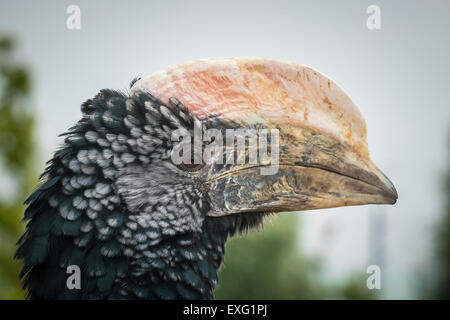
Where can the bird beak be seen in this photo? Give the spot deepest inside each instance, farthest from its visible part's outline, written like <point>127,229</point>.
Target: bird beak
<point>321,154</point>
<point>314,172</point>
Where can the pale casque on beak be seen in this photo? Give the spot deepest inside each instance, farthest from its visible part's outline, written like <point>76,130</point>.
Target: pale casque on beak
<point>323,158</point>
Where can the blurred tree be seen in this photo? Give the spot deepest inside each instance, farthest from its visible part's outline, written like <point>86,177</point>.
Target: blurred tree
<point>16,162</point>
<point>269,265</point>
<point>353,288</point>
<point>442,287</point>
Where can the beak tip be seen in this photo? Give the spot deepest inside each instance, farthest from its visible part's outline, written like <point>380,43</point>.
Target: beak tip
<point>390,192</point>
<point>391,195</point>
<point>394,196</point>
<point>393,200</point>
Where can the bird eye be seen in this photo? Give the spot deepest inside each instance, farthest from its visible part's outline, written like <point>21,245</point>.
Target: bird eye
<point>191,167</point>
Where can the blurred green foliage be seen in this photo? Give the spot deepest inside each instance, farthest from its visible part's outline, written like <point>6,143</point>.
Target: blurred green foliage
<point>270,265</point>
<point>16,162</point>
<point>442,281</point>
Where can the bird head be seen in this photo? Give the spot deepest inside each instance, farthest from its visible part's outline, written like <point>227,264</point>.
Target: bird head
<point>315,135</point>
<point>148,187</point>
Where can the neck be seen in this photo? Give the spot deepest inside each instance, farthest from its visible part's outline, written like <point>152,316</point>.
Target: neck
<point>177,267</point>
<point>183,266</point>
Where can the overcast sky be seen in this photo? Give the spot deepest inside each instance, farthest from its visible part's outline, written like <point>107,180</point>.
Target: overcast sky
<point>397,75</point>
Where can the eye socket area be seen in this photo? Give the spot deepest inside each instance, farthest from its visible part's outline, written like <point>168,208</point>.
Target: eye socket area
<point>191,167</point>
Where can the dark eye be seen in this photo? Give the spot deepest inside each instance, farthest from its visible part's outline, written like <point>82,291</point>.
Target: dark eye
<point>191,167</point>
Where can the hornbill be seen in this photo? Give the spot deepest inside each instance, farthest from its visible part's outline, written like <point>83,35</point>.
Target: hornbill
<point>140,226</point>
